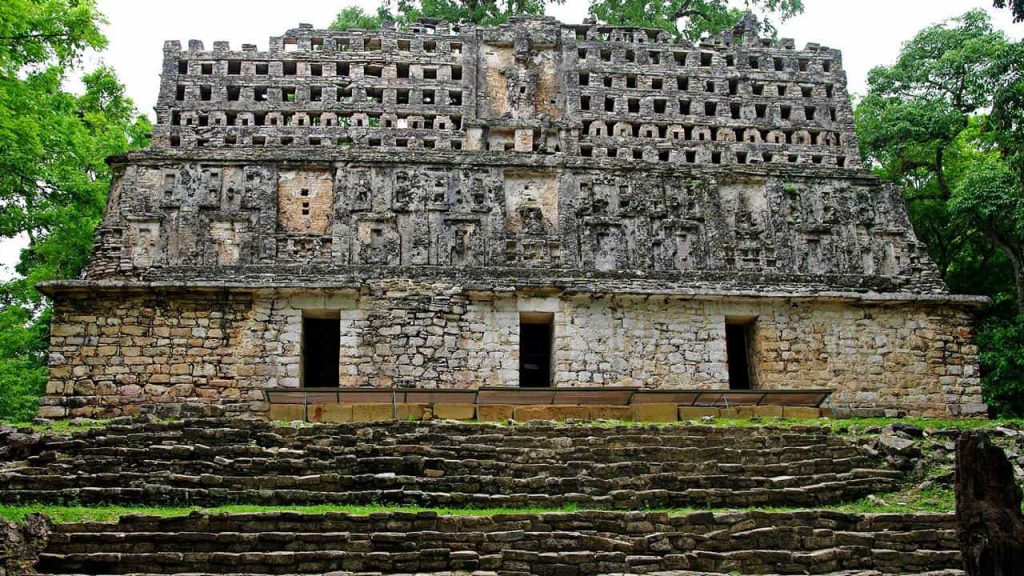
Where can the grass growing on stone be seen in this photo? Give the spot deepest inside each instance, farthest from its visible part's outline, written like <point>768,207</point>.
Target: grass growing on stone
<point>908,501</point>
<point>70,513</point>
<point>58,426</point>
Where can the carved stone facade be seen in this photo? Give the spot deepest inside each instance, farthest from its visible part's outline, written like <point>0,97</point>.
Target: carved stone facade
<point>431,188</point>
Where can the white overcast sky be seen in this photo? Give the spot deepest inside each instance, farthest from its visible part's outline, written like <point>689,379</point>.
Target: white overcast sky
<point>869,32</point>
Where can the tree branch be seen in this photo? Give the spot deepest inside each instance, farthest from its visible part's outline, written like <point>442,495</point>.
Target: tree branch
<point>686,10</point>
<point>21,37</point>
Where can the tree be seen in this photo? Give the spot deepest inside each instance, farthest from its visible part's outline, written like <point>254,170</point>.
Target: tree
<point>690,18</point>
<point>46,32</point>
<point>1016,7</point>
<point>403,12</point>
<point>989,198</point>
<point>920,125</point>
<point>53,178</point>
<point>353,17</point>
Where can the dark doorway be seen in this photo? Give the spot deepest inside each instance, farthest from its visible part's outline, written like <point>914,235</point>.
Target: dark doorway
<point>535,340</point>
<point>737,347</point>
<point>321,338</point>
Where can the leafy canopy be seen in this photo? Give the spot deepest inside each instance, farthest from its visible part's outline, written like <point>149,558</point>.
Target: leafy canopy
<point>689,18</point>
<point>1016,7</point>
<point>919,124</point>
<point>53,178</point>
<point>403,12</point>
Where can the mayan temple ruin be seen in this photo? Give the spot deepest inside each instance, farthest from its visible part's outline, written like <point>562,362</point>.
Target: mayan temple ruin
<point>524,206</point>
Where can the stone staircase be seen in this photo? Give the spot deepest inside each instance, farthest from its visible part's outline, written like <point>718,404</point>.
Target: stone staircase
<point>438,464</point>
<point>555,544</point>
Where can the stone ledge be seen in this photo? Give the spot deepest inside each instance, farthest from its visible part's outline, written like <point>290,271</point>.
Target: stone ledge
<point>652,413</point>
<point>355,279</point>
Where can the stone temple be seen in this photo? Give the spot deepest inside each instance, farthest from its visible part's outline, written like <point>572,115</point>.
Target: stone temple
<point>528,205</point>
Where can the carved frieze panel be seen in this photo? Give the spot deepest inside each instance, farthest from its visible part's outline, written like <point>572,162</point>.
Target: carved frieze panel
<point>305,201</point>
<point>531,202</point>
<point>677,245</point>
<point>144,243</point>
<point>377,241</point>
<point>463,242</point>
<point>230,239</point>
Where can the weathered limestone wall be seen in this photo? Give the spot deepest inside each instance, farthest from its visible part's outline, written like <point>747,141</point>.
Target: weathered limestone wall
<point>117,354</point>
<point>918,358</point>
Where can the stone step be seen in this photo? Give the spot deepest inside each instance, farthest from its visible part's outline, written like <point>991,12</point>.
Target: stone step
<point>350,465</point>
<point>581,543</point>
<point>805,495</point>
<point>442,464</point>
<point>786,539</point>
<point>440,482</point>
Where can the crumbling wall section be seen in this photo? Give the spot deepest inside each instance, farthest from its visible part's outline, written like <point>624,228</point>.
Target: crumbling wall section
<point>204,219</point>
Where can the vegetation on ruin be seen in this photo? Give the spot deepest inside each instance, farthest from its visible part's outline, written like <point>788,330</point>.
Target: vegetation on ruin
<point>689,19</point>
<point>944,122</point>
<point>932,500</point>
<point>53,178</point>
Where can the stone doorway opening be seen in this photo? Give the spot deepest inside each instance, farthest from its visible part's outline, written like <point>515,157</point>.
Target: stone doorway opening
<point>738,342</point>
<point>536,341</point>
<point>321,354</point>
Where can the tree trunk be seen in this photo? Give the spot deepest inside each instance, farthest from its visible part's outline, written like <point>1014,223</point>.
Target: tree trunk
<point>988,500</point>
<point>1015,254</point>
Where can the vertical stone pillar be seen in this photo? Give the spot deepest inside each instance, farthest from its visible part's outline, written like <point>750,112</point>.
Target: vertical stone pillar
<point>988,501</point>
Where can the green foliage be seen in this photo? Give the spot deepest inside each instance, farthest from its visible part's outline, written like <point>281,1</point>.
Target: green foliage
<point>917,124</point>
<point>353,17</point>
<point>46,32</point>
<point>691,18</point>
<point>484,12</point>
<point>1002,353</point>
<point>53,178</point>
<point>403,12</point>
<point>1016,7</point>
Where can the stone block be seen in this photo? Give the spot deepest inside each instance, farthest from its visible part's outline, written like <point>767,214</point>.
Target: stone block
<point>337,413</point>
<point>52,411</point>
<point>802,412</point>
<point>455,411</point>
<point>412,411</point>
<point>602,412</point>
<point>494,412</point>
<point>372,412</point>
<point>698,412</point>
<point>551,412</point>
<point>738,412</point>
<point>287,412</point>
<point>656,412</point>
<point>315,412</point>
<point>768,411</point>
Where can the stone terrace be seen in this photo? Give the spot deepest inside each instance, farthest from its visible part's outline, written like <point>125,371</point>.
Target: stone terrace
<point>217,461</point>
<point>578,543</point>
